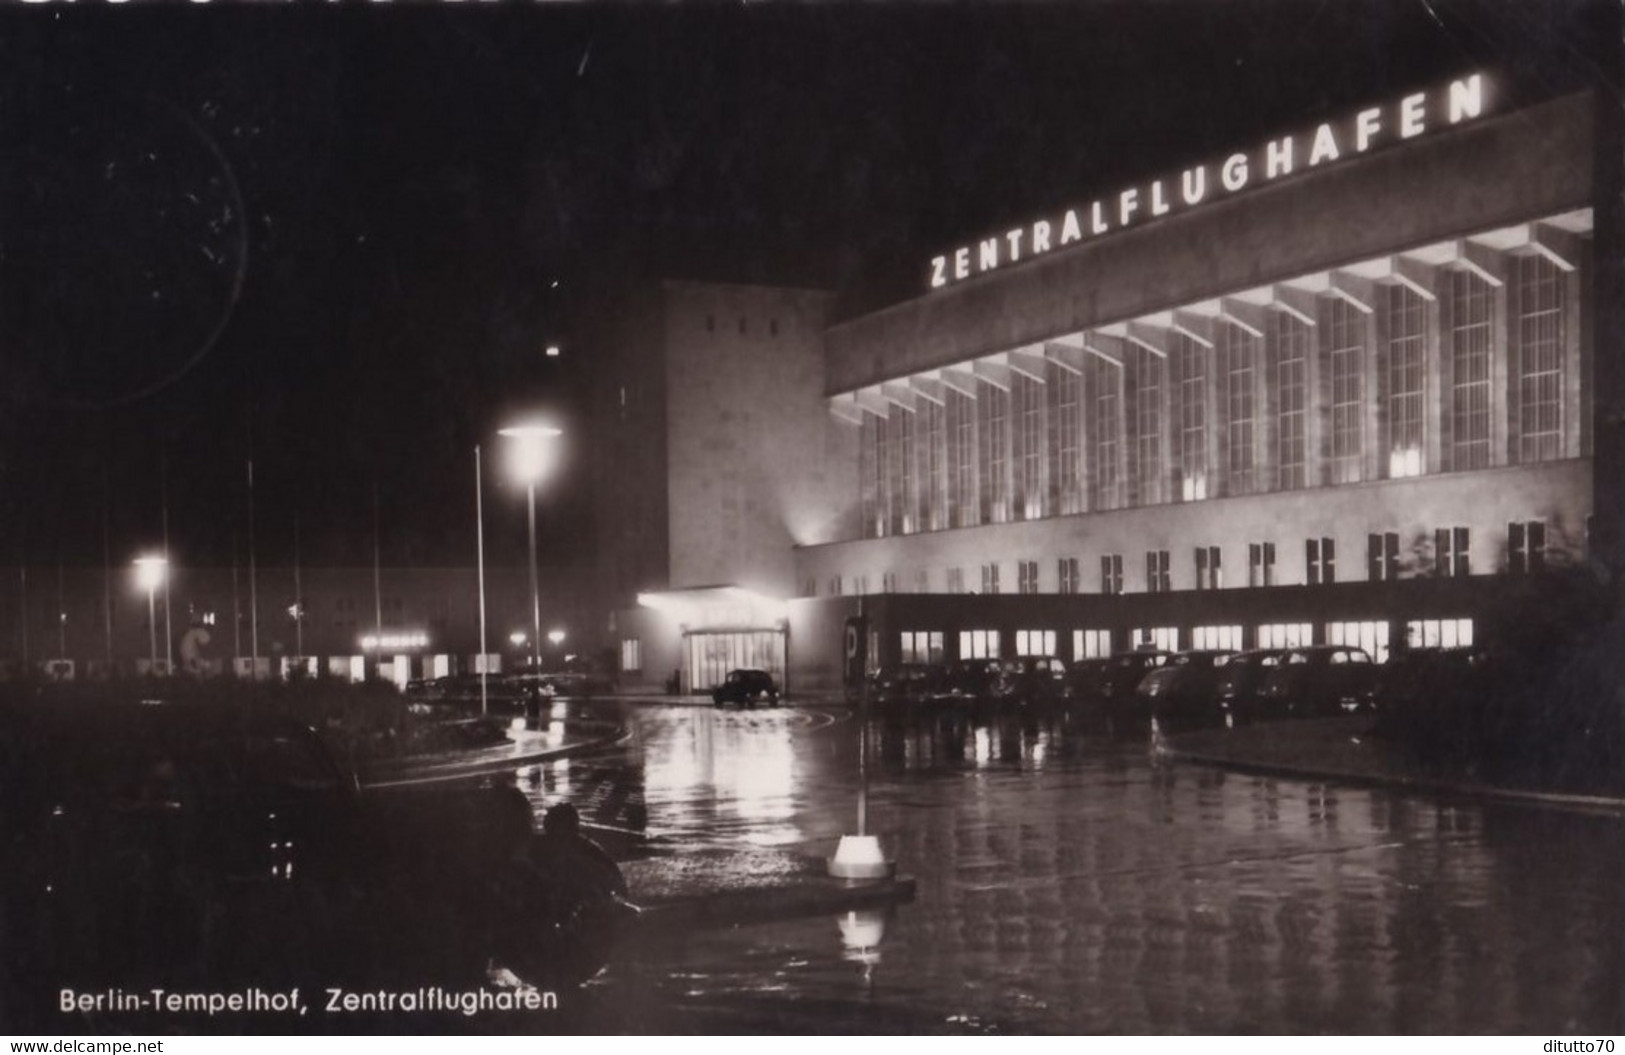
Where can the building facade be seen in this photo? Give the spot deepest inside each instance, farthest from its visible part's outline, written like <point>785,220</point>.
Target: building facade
<point>1337,387</point>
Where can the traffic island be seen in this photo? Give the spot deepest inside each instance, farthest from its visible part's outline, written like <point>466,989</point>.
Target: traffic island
<point>721,888</point>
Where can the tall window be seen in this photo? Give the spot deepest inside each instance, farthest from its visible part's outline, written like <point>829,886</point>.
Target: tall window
<point>1345,365</point>
<point>1104,382</point>
<point>1470,336</point>
<point>1189,359</point>
<point>1407,381</point>
<point>1320,557</point>
<point>1208,575</point>
<point>931,421</point>
<point>1145,395</point>
<point>963,506</point>
<point>1027,576</point>
<point>1028,397</point>
<point>1451,551</point>
<point>1289,352</point>
<point>869,473</point>
<point>1382,556</point>
<point>922,580</point>
<point>990,578</point>
<point>956,580</point>
<point>1539,366</point>
<point>1156,571</point>
<point>1238,355</point>
<point>994,457</point>
<point>904,477</point>
<point>631,654</point>
<point>888,582</point>
<point>1261,564</point>
<point>1066,451</point>
<point>1111,573</point>
<point>1526,547</point>
<point>1066,569</point>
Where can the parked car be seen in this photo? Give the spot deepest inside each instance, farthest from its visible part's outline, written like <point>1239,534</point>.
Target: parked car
<point>1083,679</point>
<point>907,684</point>
<point>969,680</point>
<point>1114,689</point>
<point>746,687</point>
<point>1239,691</point>
<point>1184,687</point>
<point>1320,681</point>
<point>1029,680</point>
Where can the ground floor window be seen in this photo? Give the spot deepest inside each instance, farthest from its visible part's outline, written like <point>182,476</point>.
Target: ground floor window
<point>1228,637</point>
<point>1369,635</point>
<point>1035,642</point>
<point>978,644</point>
<point>1284,635</point>
<point>1091,644</point>
<point>1439,633</point>
<point>631,654</point>
<point>922,646</point>
<point>1163,637</point>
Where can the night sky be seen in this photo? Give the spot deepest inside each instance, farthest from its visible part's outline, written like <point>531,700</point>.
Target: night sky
<point>338,239</point>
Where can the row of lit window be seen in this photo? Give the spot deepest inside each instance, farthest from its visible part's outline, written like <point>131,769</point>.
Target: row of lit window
<point>1450,556</point>
<point>1248,412</point>
<point>928,646</point>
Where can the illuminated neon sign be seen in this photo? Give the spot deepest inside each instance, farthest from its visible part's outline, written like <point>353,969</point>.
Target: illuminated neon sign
<point>1328,143</point>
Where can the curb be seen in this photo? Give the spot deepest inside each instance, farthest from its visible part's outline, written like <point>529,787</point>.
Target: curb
<point>1431,785</point>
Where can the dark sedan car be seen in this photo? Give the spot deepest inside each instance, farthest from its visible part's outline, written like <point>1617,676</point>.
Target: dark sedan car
<point>1320,681</point>
<point>746,687</point>
<point>907,684</point>
<point>1239,691</point>
<point>1029,680</point>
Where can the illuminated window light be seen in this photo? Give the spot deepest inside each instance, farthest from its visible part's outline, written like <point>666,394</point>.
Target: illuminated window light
<point>415,639</point>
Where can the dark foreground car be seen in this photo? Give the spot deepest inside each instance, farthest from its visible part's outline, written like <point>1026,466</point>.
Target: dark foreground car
<point>747,688</point>
<point>171,846</point>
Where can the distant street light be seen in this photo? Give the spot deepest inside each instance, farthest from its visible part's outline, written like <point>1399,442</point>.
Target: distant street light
<point>150,573</point>
<point>518,638</point>
<point>556,636</point>
<point>533,453</point>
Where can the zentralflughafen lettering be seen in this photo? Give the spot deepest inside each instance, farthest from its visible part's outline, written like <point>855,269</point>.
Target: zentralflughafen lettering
<point>1327,144</point>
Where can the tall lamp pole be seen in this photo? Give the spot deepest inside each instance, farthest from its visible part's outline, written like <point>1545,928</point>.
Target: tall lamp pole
<point>149,572</point>
<point>532,450</point>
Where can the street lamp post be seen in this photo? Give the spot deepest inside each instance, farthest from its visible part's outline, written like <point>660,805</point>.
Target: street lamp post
<point>150,573</point>
<point>532,449</point>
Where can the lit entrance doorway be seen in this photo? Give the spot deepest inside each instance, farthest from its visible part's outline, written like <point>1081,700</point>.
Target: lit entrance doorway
<point>709,655</point>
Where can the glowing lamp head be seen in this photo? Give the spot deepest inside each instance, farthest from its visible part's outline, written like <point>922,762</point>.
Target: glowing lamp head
<point>556,636</point>
<point>150,571</point>
<point>517,638</point>
<point>533,450</point>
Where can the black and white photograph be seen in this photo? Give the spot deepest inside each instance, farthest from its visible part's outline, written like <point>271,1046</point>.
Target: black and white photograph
<point>773,518</point>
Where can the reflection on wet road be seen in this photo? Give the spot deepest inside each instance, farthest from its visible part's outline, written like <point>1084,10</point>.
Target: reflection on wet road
<point>1067,882</point>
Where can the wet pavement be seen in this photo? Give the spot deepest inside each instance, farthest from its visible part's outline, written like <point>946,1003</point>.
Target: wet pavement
<point>1068,881</point>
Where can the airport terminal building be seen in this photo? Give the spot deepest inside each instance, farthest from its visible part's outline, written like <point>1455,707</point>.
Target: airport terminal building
<point>1340,386</point>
